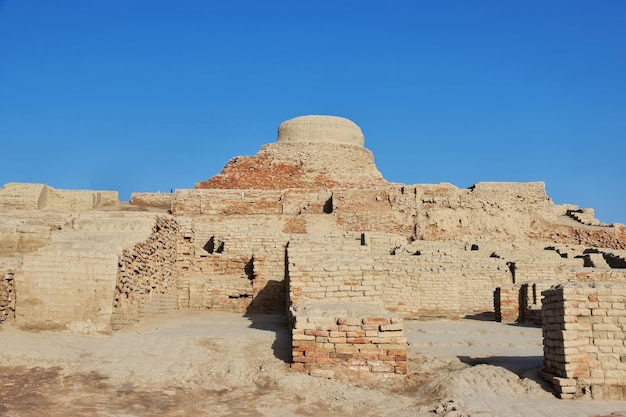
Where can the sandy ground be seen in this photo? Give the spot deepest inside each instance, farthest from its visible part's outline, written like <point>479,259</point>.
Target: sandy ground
<point>220,364</point>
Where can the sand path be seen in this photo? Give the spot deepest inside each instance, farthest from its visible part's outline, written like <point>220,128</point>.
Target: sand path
<point>220,364</point>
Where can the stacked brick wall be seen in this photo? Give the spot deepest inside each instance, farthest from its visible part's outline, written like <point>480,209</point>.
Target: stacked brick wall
<point>226,202</point>
<point>242,202</point>
<point>326,346</point>
<point>332,269</point>
<point>7,295</point>
<point>439,286</point>
<point>506,304</point>
<point>146,275</point>
<point>238,264</point>
<point>324,273</point>
<point>20,196</point>
<point>184,261</point>
<point>222,282</point>
<point>520,303</point>
<point>584,328</point>
<point>66,288</point>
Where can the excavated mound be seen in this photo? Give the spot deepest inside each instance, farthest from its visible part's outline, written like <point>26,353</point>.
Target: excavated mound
<point>311,152</point>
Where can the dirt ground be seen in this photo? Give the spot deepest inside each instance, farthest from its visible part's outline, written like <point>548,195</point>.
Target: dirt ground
<point>221,364</point>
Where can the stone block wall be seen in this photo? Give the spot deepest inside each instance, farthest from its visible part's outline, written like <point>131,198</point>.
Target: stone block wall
<point>146,275</point>
<point>584,331</point>
<point>328,346</point>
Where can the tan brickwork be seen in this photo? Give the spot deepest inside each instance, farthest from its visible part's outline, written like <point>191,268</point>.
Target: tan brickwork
<point>308,219</point>
<point>584,330</point>
<point>146,275</point>
<point>328,346</point>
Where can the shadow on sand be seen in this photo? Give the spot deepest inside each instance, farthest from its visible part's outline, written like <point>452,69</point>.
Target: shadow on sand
<point>268,312</point>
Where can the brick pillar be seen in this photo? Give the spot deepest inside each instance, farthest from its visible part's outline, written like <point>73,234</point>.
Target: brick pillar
<point>506,304</point>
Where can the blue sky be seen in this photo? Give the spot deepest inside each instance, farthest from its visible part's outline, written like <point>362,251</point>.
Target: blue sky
<point>148,95</point>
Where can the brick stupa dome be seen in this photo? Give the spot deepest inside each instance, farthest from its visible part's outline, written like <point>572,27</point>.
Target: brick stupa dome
<point>320,129</point>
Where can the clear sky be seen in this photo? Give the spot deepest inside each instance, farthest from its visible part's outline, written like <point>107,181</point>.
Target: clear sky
<point>153,95</point>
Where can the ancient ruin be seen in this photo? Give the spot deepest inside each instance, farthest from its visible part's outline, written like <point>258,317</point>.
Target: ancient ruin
<point>308,226</point>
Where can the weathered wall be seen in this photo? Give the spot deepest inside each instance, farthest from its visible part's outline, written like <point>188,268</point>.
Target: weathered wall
<point>146,281</point>
<point>584,328</point>
<point>502,211</point>
<point>7,295</point>
<point>62,288</point>
<point>69,284</point>
<point>332,269</point>
<point>22,196</point>
<point>343,269</point>
<point>446,286</point>
<point>77,199</point>
<point>364,340</point>
<point>154,200</point>
<point>237,264</point>
<point>297,165</point>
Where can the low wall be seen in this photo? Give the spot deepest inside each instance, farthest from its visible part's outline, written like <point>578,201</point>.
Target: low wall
<point>24,196</point>
<point>78,199</point>
<point>584,326</point>
<point>155,200</point>
<point>363,340</point>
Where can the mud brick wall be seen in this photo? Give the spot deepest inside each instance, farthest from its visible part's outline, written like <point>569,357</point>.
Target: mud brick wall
<point>221,282</point>
<point>7,295</point>
<point>238,264</point>
<point>519,303</point>
<point>20,196</point>
<point>78,199</point>
<point>506,304</point>
<point>342,269</point>
<point>330,346</point>
<point>156,200</point>
<point>146,275</point>
<point>444,287</point>
<point>332,269</point>
<point>584,331</point>
<point>66,288</point>
<point>226,202</point>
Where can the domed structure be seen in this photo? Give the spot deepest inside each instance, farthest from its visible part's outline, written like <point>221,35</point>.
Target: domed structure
<point>311,152</point>
<point>320,129</point>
